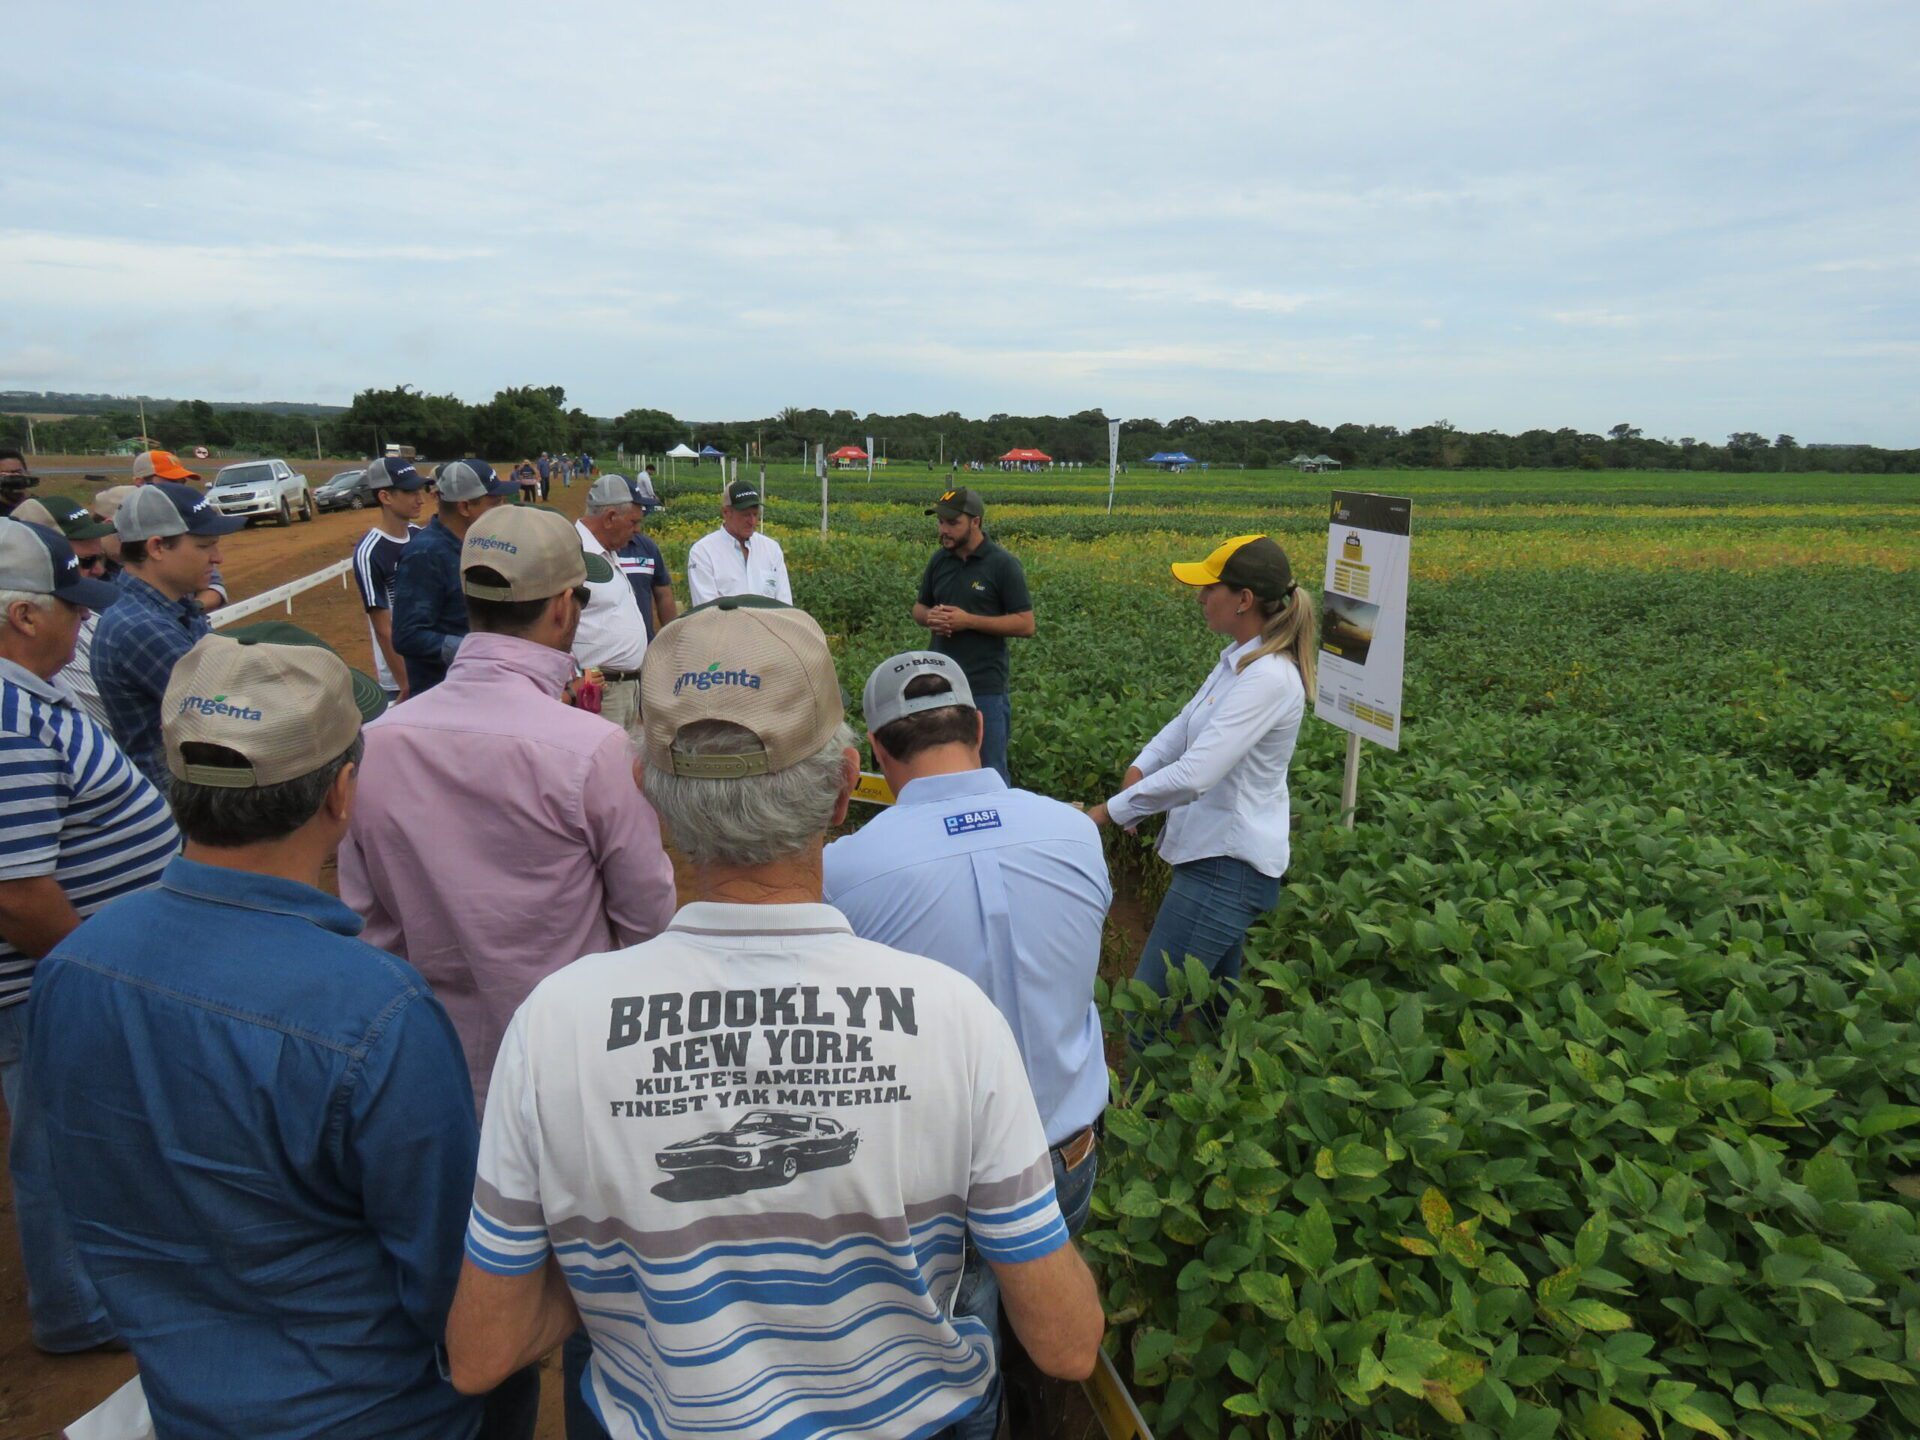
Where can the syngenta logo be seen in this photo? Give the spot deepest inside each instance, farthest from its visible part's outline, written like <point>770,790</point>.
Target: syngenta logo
<point>217,705</point>
<point>487,542</point>
<point>713,675</point>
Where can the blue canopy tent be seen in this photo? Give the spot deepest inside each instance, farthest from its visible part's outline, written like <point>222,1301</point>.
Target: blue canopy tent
<point>707,452</point>
<point>1171,459</point>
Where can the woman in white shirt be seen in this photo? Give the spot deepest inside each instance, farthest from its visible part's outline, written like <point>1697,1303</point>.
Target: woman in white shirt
<point>1218,771</point>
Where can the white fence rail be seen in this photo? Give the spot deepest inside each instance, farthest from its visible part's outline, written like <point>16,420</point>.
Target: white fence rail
<point>280,595</point>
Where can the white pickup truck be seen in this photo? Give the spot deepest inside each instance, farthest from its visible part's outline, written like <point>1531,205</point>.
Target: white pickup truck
<point>262,489</point>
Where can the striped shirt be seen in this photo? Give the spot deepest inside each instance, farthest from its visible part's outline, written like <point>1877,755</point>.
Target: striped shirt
<point>72,806</point>
<point>375,559</point>
<point>759,1174</point>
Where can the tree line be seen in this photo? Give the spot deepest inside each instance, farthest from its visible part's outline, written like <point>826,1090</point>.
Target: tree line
<point>524,420</point>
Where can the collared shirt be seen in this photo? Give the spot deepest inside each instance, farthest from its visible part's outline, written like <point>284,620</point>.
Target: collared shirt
<point>135,647</point>
<point>375,559</point>
<point>262,1134</point>
<point>613,632</point>
<point>1010,889</point>
<point>429,607</point>
<point>646,570</point>
<point>1218,769</point>
<point>755,1145</point>
<point>498,835</point>
<point>718,565</point>
<point>987,582</point>
<point>71,806</point>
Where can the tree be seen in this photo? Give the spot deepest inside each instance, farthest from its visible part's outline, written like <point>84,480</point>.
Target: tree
<point>646,432</point>
<point>1624,431</point>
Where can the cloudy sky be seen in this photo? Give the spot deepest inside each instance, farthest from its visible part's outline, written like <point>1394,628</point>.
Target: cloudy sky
<point>1694,217</point>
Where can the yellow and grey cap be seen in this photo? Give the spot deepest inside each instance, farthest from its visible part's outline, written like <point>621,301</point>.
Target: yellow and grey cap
<point>1246,562</point>
<point>535,552</point>
<point>763,666</point>
<point>284,710</point>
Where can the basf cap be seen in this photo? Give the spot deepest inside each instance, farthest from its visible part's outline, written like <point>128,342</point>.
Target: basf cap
<point>744,495</point>
<point>886,699</point>
<point>72,517</point>
<point>471,480</point>
<point>1246,562</point>
<point>159,465</point>
<point>536,553</point>
<point>764,667</point>
<point>393,475</point>
<point>285,710</point>
<point>38,560</point>
<point>955,503</point>
<point>165,508</point>
<point>611,489</point>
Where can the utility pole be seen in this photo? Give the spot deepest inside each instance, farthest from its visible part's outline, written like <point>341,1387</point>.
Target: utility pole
<point>145,439</point>
<point>316,439</point>
<point>943,451</point>
<point>32,449</point>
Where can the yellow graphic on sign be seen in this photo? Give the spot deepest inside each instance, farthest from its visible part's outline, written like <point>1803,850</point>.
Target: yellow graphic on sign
<point>1350,552</point>
<point>1352,579</point>
<point>873,789</point>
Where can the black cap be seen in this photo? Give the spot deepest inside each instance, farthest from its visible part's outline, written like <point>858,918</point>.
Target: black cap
<point>1261,566</point>
<point>743,495</point>
<point>955,503</point>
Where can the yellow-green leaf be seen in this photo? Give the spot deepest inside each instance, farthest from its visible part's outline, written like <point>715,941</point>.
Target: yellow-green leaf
<point>1610,1422</point>
<point>1596,1315</point>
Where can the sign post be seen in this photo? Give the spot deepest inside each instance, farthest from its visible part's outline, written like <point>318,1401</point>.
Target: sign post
<point>1113,459</point>
<point>820,466</point>
<point>1361,667</point>
<point>869,457</point>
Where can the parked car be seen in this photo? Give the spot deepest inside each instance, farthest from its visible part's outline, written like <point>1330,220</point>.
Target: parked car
<point>345,491</point>
<point>262,489</point>
<point>765,1142</point>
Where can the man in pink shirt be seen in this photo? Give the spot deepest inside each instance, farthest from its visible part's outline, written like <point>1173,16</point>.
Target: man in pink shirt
<point>499,833</point>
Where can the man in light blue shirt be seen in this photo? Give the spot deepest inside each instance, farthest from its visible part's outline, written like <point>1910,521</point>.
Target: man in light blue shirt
<point>1005,886</point>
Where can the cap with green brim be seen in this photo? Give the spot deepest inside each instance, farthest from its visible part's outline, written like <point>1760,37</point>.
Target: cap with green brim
<point>368,697</point>
<point>743,495</point>
<point>245,716</point>
<point>535,551</point>
<point>73,518</point>
<point>1246,562</point>
<point>955,503</point>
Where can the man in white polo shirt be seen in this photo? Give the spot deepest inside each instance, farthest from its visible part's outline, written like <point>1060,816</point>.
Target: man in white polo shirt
<point>736,559</point>
<point>612,637</point>
<point>749,1150</point>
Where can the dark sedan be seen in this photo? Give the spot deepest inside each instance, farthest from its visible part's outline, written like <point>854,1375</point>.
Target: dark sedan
<point>345,491</point>
<point>765,1142</point>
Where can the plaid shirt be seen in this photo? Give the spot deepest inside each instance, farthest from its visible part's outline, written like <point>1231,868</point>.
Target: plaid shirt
<point>135,647</point>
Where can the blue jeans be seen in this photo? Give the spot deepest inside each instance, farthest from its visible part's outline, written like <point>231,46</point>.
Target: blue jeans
<point>980,1291</point>
<point>66,1309</point>
<point>997,711</point>
<point>582,1423</point>
<point>1207,912</point>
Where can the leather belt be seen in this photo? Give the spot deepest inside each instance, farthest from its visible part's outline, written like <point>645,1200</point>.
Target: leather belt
<point>619,677</point>
<point>1075,1148</point>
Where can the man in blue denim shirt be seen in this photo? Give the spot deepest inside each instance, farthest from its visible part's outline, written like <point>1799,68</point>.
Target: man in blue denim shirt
<point>261,1128</point>
<point>429,607</point>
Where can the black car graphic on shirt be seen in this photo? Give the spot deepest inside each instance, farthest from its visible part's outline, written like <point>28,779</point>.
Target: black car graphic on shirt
<point>778,1143</point>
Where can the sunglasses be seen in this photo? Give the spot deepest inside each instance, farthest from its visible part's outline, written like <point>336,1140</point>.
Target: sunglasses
<point>93,564</point>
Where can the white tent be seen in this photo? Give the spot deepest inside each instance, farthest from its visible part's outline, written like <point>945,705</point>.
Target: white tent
<point>682,451</point>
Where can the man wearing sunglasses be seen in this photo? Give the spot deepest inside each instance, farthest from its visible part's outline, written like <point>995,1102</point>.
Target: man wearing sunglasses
<point>88,538</point>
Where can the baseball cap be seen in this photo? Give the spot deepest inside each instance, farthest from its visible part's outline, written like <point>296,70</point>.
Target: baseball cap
<point>955,503</point>
<point>367,694</point>
<point>165,508</point>
<point>1246,562</point>
<point>33,513</point>
<point>107,503</point>
<point>393,475</point>
<point>745,495</point>
<point>285,709</point>
<point>38,560</point>
<point>536,551</point>
<point>472,480</point>
<point>159,465</point>
<point>612,490</point>
<point>72,517</point>
<point>886,699</point>
<point>763,667</point>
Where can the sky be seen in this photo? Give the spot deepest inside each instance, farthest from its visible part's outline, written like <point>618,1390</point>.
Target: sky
<point>1694,218</point>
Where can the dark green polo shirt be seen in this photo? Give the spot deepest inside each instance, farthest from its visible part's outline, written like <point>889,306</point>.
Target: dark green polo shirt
<point>988,582</point>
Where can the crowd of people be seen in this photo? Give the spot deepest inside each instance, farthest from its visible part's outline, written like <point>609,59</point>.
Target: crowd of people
<point>778,1160</point>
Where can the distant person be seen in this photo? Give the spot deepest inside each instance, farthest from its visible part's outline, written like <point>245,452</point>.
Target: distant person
<point>612,638</point>
<point>1218,769</point>
<point>500,832</point>
<point>262,1126</point>
<point>1008,888</point>
<point>429,607</point>
<point>973,596</point>
<point>703,1228</point>
<point>736,559</point>
<point>152,465</point>
<point>645,567</point>
<point>79,827</point>
<point>170,538</point>
<point>16,478</point>
<point>544,466</point>
<point>399,493</point>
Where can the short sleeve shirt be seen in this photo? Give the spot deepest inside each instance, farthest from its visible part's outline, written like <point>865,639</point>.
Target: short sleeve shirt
<point>375,559</point>
<point>988,582</point>
<point>756,1136</point>
<point>643,564</point>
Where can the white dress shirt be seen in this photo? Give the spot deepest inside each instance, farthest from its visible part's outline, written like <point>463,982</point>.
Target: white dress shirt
<point>612,633</point>
<point>1218,770</point>
<point>720,565</point>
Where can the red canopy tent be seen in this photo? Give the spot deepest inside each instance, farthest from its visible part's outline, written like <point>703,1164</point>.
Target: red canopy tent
<point>848,452</point>
<point>1038,457</point>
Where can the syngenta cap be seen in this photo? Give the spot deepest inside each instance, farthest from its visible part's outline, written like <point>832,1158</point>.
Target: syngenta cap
<point>1246,562</point>
<point>471,480</point>
<point>744,495</point>
<point>38,560</point>
<point>164,508</point>
<point>886,699</point>
<point>952,504</point>
<point>282,710</point>
<point>536,553</point>
<point>159,465</point>
<point>394,475</point>
<point>765,668</point>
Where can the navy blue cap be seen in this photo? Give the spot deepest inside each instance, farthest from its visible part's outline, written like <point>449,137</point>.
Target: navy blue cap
<point>39,561</point>
<point>166,507</point>
<point>394,475</point>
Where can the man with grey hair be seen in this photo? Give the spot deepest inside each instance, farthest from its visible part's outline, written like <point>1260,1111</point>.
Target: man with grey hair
<point>429,607</point>
<point>787,1129</point>
<point>612,637</point>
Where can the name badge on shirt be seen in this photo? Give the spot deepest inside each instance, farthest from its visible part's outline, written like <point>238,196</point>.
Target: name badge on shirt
<point>971,821</point>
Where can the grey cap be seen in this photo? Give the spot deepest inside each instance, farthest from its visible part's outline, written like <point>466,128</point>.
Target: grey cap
<point>36,559</point>
<point>165,507</point>
<point>471,480</point>
<point>610,489</point>
<point>885,700</point>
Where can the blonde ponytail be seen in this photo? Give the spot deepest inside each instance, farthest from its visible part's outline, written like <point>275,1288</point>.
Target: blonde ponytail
<point>1287,628</point>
